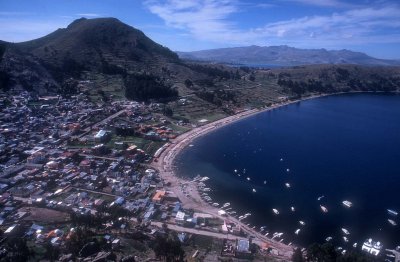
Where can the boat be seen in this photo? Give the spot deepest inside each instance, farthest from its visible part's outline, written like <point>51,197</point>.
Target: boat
<point>226,204</point>
<point>328,239</point>
<point>345,239</point>
<point>344,252</point>
<point>302,223</point>
<point>247,214</point>
<point>323,208</point>
<point>248,178</point>
<point>347,203</point>
<point>355,245</point>
<point>241,217</point>
<point>265,182</point>
<point>235,170</point>
<point>392,222</point>
<point>319,198</point>
<point>215,204</point>
<point>297,231</point>
<point>275,211</point>
<point>266,234</point>
<point>392,212</point>
<point>254,191</point>
<point>372,247</point>
<point>287,170</point>
<point>344,230</point>
<point>292,208</point>
<point>287,185</point>
<point>281,159</point>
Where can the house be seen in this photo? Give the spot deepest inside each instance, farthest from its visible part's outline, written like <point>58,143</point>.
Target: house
<point>158,196</point>
<point>180,218</point>
<point>102,136</point>
<point>243,248</point>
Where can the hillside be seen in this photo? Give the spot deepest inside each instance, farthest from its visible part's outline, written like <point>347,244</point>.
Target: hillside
<point>106,59</point>
<point>103,45</point>
<point>283,56</point>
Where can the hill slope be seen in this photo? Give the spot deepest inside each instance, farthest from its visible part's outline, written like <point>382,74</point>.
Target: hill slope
<point>284,56</point>
<point>103,45</point>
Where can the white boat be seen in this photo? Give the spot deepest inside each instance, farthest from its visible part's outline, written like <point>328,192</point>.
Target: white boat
<point>392,212</point>
<point>254,190</point>
<point>241,217</point>
<point>319,198</point>
<point>226,204</point>
<point>345,239</point>
<point>215,204</point>
<point>287,185</point>
<point>204,178</point>
<point>266,234</point>
<point>328,239</point>
<point>275,211</point>
<point>265,182</point>
<point>287,170</point>
<point>347,203</point>
<point>281,159</point>
<point>302,223</point>
<point>392,222</point>
<point>344,230</point>
<point>355,245</point>
<point>323,208</point>
<point>235,170</point>
<point>297,231</point>
<point>372,247</point>
<point>344,252</point>
<point>247,214</point>
<point>292,208</point>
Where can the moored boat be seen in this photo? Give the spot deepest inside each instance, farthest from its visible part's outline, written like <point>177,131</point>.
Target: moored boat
<point>344,230</point>
<point>347,203</point>
<point>323,208</point>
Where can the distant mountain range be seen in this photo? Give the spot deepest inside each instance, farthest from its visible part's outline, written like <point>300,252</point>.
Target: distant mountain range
<point>283,56</point>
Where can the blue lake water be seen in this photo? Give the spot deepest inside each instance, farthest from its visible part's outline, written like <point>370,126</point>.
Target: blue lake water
<point>343,147</point>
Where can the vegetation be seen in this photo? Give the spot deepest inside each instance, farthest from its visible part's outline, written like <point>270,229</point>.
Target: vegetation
<point>143,87</point>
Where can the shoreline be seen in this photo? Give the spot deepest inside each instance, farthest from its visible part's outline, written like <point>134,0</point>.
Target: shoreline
<point>190,197</point>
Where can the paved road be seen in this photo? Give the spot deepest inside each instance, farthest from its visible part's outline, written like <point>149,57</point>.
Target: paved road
<point>213,234</point>
<point>105,120</point>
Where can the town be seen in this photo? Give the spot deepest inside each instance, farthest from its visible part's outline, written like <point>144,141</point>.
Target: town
<point>77,182</point>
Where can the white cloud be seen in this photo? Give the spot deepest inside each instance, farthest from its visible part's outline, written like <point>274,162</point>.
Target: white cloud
<point>324,3</point>
<point>210,20</point>
<point>88,15</point>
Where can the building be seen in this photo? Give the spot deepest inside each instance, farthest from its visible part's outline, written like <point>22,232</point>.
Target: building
<point>243,248</point>
<point>102,136</point>
<point>158,196</point>
<point>180,218</point>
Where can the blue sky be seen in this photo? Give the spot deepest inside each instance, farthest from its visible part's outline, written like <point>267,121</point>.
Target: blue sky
<point>368,26</point>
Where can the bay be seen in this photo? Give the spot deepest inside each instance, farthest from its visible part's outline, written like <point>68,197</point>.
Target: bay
<point>342,147</point>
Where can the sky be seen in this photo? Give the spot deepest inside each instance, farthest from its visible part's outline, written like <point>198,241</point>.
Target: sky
<point>368,26</point>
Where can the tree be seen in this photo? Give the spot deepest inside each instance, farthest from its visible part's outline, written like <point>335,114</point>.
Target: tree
<point>297,255</point>
<point>52,252</point>
<point>17,250</point>
<point>188,83</point>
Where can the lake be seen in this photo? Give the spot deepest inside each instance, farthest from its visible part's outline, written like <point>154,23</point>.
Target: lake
<point>335,148</point>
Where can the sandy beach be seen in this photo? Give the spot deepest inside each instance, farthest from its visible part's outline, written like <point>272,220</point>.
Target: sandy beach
<point>186,190</point>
